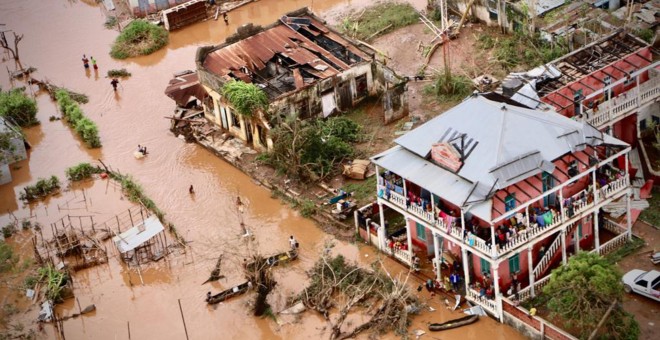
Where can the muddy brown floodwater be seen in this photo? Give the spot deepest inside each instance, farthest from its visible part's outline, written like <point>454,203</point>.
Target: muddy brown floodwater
<point>57,33</point>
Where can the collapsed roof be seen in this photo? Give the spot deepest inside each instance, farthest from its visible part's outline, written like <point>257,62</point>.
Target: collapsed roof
<point>292,53</point>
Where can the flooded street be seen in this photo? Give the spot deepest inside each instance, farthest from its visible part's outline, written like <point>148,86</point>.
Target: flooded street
<point>56,35</point>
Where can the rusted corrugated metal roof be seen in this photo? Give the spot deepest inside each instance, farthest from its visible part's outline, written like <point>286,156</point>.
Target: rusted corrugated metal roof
<point>253,53</point>
<point>183,87</point>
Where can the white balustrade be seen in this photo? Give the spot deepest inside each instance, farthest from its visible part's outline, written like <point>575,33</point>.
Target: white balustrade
<point>488,304</point>
<point>613,227</point>
<point>612,244</point>
<point>625,103</point>
<point>547,257</point>
<point>402,255</point>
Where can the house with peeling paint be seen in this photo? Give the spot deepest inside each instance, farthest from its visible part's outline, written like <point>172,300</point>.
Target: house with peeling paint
<point>510,15</point>
<point>13,148</point>
<point>502,192</point>
<point>307,70</point>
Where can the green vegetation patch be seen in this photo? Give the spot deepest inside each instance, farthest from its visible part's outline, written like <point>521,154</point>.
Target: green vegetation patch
<point>581,292</point>
<point>82,171</point>
<point>7,258</point>
<point>244,97</point>
<point>651,214</point>
<point>379,19</point>
<point>449,87</point>
<point>54,280</point>
<point>16,106</point>
<point>363,191</point>
<point>119,73</point>
<point>41,189</point>
<point>84,126</point>
<point>522,50</point>
<point>310,150</point>
<point>140,37</point>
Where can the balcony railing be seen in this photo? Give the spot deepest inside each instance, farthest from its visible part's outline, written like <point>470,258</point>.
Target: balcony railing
<point>580,203</point>
<point>488,304</point>
<point>526,293</point>
<point>547,257</point>
<point>612,244</point>
<point>624,104</point>
<point>613,188</point>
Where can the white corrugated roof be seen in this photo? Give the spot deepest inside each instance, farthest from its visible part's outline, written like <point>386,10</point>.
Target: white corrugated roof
<point>500,134</point>
<point>433,178</point>
<point>133,238</point>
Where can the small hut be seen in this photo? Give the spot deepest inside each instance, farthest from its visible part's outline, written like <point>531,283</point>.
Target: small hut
<point>143,242</point>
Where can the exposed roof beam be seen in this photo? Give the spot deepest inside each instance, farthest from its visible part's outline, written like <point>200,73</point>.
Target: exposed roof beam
<point>592,76</point>
<point>521,190</point>
<point>619,69</point>
<point>591,88</point>
<point>531,185</point>
<point>643,57</point>
<point>550,99</point>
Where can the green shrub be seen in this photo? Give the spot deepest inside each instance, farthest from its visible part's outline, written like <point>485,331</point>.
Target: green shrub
<point>380,19</point>
<point>452,87</point>
<point>42,188</point>
<point>18,107</point>
<point>311,149</point>
<point>140,37</point>
<point>307,208</point>
<point>74,115</point>
<point>7,258</point>
<point>244,97</point>
<point>646,34</point>
<point>54,281</point>
<point>118,73</point>
<point>82,171</point>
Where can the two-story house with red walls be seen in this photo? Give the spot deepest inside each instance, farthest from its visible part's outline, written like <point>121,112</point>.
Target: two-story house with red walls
<point>503,190</point>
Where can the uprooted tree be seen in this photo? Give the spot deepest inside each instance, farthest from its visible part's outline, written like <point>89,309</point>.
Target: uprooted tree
<point>581,293</point>
<point>310,149</point>
<point>261,276</point>
<point>336,284</point>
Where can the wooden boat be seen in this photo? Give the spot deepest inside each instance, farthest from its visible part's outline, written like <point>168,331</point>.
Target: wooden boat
<point>229,293</point>
<point>277,259</point>
<point>466,320</point>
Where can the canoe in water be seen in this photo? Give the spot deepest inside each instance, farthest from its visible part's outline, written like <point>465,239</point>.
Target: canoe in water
<point>229,293</point>
<point>276,259</point>
<point>466,320</point>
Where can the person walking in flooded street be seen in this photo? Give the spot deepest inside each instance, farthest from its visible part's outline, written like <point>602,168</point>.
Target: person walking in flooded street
<point>85,61</point>
<point>114,83</point>
<point>94,63</point>
<point>225,18</point>
<point>191,190</point>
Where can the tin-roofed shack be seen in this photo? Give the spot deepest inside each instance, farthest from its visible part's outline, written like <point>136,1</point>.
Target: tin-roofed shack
<point>306,69</point>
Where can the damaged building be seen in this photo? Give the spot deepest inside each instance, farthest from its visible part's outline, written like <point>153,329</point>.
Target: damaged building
<point>306,69</point>
<point>612,84</point>
<point>511,15</point>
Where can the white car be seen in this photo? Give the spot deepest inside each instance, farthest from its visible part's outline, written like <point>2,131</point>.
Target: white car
<point>643,283</point>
